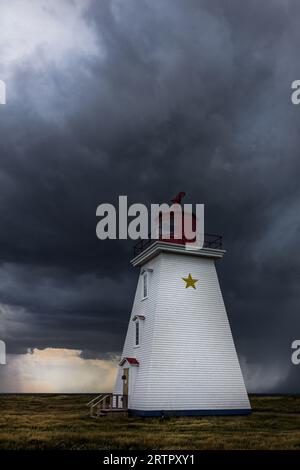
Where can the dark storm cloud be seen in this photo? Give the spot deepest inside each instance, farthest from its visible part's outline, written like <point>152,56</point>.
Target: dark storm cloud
<point>164,96</point>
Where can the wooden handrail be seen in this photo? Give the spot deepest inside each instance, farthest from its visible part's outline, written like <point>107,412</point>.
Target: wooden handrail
<point>96,398</point>
<point>102,399</point>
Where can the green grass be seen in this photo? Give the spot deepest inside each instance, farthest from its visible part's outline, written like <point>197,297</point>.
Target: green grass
<point>62,422</point>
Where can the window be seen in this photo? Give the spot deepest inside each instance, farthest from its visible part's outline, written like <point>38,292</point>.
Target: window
<point>137,333</point>
<point>145,286</point>
<point>138,329</point>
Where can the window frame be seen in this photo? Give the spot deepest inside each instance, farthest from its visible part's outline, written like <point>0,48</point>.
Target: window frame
<point>137,334</point>
<point>145,285</point>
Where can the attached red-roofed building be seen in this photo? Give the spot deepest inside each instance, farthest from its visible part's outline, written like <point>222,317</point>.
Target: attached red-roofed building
<point>131,360</point>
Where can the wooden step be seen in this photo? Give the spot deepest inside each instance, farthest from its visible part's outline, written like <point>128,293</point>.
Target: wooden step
<point>113,410</point>
<point>105,411</point>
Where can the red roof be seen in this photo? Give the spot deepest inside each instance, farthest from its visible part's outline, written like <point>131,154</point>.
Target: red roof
<point>131,360</point>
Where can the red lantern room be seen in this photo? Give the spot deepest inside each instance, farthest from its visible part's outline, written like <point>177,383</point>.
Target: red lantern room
<point>176,225</point>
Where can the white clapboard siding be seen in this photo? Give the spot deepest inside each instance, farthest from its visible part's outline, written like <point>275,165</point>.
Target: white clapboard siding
<point>187,359</point>
<point>142,353</point>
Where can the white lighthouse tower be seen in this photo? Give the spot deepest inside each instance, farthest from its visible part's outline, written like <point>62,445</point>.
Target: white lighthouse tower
<point>179,357</point>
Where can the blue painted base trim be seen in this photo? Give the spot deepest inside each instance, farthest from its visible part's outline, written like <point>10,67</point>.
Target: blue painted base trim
<point>161,413</point>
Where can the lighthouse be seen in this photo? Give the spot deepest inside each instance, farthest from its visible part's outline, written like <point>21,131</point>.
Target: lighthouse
<point>179,357</point>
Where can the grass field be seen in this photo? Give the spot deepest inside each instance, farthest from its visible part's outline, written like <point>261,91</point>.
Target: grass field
<point>62,422</point>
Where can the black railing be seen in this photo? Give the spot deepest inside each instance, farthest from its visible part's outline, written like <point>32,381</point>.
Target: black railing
<point>211,240</point>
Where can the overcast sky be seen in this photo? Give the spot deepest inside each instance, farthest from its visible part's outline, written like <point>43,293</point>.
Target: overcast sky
<point>144,98</point>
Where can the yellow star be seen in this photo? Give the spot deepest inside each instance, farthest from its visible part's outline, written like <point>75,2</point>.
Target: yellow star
<point>190,282</point>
